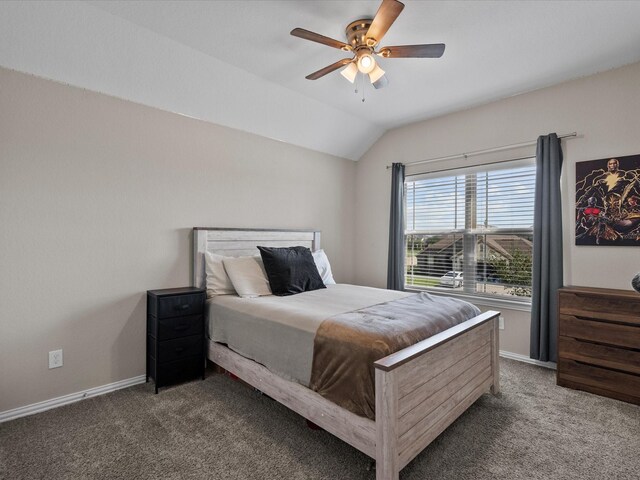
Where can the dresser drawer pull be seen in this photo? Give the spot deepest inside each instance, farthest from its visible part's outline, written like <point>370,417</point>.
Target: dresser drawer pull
<point>186,306</point>
<point>179,349</point>
<point>180,328</point>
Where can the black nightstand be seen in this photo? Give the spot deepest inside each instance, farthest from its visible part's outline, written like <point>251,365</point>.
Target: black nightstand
<point>175,335</point>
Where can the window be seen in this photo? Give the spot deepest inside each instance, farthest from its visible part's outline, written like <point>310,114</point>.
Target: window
<point>471,231</point>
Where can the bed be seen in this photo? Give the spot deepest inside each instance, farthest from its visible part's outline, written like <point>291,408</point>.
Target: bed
<point>419,390</point>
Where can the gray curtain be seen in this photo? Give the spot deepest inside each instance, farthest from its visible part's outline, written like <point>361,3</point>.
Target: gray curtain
<point>395,268</point>
<point>547,250</point>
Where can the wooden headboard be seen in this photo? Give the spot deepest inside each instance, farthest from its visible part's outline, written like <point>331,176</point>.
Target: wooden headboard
<point>236,242</point>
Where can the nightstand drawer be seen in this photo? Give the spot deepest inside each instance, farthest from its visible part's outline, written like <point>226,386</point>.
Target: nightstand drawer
<point>177,371</point>
<point>168,328</point>
<point>178,305</point>
<point>171,350</point>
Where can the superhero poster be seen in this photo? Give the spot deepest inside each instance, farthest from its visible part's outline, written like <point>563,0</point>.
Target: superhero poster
<point>608,201</point>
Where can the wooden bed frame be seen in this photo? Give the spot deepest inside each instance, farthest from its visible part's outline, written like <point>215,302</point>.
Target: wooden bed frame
<point>420,390</point>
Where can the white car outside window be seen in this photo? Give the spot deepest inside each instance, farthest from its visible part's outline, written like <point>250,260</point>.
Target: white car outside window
<point>452,279</point>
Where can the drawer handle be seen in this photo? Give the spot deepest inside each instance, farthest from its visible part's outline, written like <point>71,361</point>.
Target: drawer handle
<point>179,349</point>
<point>180,328</point>
<point>183,307</point>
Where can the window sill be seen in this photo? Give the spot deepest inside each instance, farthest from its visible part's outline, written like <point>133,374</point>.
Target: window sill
<point>494,302</point>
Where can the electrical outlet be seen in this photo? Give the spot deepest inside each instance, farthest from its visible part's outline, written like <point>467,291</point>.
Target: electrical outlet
<point>55,359</point>
<point>501,322</point>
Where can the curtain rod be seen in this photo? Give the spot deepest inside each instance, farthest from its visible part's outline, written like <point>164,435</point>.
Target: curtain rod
<point>486,150</point>
<point>484,164</point>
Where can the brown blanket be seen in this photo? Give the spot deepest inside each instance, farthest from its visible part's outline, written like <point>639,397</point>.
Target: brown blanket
<point>346,345</point>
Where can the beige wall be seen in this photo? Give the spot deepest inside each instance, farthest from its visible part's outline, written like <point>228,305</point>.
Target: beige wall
<point>602,108</point>
<point>97,200</point>
<point>98,197</point>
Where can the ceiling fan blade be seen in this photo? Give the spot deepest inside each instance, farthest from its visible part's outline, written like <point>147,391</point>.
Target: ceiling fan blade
<point>316,37</point>
<point>323,71</point>
<point>432,50</point>
<point>385,16</point>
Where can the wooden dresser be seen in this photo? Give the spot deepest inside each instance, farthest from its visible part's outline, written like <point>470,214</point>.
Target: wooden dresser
<point>599,342</point>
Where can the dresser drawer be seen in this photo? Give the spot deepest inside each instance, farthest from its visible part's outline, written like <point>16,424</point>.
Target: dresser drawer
<point>177,371</point>
<point>613,308</point>
<point>176,305</point>
<point>601,332</point>
<point>623,359</point>
<point>171,350</point>
<point>168,328</point>
<point>603,381</point>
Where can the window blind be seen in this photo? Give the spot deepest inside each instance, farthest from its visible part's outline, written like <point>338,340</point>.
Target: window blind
<point>471,230</point>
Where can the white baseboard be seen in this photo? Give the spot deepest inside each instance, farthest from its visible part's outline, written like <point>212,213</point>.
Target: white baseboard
<point>525,359</point>
<point>71,398</point>
<point>111,387</point>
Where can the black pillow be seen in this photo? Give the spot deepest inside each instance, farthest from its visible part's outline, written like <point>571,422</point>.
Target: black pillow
<point>290,270</point>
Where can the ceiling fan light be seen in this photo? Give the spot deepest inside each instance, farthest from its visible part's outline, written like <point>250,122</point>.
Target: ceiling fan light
<point>350,72</point>
<point>376,74</point>
<point>366,63</point>
<point>381,82</point>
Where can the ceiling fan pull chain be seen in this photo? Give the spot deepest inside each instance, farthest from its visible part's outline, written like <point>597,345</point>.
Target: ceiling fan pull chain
<point>363,84</point>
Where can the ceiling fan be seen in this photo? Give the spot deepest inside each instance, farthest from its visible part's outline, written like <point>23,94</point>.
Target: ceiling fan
<point>363,37</point>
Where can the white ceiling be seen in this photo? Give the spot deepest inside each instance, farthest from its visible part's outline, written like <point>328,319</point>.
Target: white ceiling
<point>495,49</point>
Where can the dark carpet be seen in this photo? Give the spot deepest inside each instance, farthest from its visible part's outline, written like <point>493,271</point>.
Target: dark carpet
<point>221,429</point>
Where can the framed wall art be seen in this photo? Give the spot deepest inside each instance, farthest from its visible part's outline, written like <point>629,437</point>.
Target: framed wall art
<point>608,201</point>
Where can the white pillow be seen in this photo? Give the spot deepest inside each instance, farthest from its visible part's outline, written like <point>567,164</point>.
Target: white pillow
<point>323,266</point>
<point>248,276</point>
<point>218,282</point>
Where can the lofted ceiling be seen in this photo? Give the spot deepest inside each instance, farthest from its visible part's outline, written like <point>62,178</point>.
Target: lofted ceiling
<point>494,49</point>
